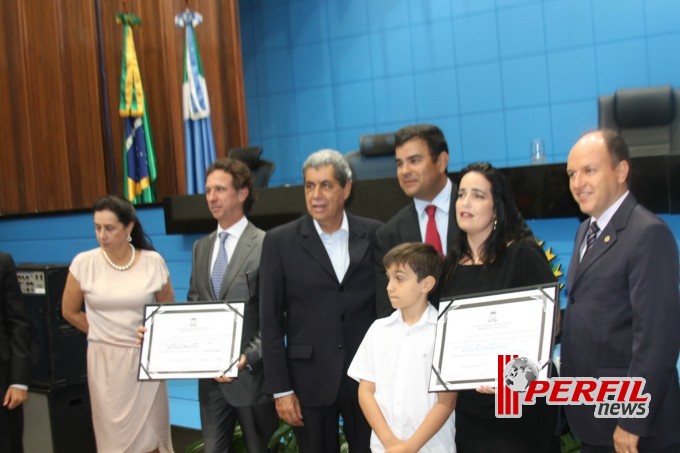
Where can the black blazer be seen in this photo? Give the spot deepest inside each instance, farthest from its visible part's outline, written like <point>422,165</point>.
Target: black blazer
<point>623,319</point>
<point>312,324</point>
<point>404,227</point>
<point>15,335</point>
<point>240,282</point>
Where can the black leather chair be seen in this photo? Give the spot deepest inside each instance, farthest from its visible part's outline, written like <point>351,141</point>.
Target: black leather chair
<point>261,169</point>
<point>647,118</point>
<point>375,157</point>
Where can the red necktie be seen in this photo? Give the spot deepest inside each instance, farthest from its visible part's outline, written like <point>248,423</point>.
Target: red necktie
<point>431,233</point>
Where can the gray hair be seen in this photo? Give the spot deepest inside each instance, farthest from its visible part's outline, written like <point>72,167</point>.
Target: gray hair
<point>325,157</point>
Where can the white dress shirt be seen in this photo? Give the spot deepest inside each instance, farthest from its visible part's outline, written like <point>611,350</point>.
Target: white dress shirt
<point>235,231</point>
<point>337,246</point>
<point>441,216</point>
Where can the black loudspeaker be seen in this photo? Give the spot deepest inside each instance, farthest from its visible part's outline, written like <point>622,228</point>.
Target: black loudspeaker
<point>58,350</point>
<point>58,420</point>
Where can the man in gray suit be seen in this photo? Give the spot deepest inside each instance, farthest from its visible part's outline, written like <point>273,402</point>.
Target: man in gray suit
<point>229,193</point>
<point>623,311</point>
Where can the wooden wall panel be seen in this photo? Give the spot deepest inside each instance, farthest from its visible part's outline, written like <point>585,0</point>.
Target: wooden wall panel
<point>45,82</point>
<point>82,101</point>
<point>52,117</point>
<point>57,152</point>
<point>16,177</point>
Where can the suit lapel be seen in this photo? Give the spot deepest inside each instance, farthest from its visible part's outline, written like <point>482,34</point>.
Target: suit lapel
<point>605,240</point>
<point>244,247</point>
<point>575,263</point>
<point>599,248</point>
<point>203,258</point>
<point>358,245</point>
<point>311,243</point>
<point>410,229</point>
<point>453,232</point>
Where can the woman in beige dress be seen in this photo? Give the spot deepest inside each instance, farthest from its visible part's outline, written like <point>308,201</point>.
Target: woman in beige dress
<point>115,281</point>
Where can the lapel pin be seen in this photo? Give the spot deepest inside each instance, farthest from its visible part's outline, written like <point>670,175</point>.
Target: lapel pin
<point>606,239</point>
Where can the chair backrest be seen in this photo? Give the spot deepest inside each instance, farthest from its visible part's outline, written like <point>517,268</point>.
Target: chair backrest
<point>261,169</point>
<point>646,118</point>
<point>375,157</point>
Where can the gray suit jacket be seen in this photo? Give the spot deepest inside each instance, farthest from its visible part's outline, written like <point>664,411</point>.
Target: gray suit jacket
<point>622,319</point>
<point>240,283</point>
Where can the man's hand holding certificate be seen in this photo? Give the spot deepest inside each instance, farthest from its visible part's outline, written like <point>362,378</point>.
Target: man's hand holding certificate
<point>197,340</point>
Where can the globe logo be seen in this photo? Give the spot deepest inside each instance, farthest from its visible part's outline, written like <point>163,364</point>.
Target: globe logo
<point>519,373</point>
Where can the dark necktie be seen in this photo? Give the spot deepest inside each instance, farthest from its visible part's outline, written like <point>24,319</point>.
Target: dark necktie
<point>431,233</point>
<point>591,236</point>
<point>220,266</point>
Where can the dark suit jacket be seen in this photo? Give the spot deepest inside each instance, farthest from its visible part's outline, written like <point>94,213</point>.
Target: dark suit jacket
<point>240,283</point>
<point>403,227</point>
<point>312,324</point>
<point>623,319</point>
<point>15,335</point>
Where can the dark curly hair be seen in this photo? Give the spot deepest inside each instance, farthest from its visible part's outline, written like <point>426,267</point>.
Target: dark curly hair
<point>510,226</point>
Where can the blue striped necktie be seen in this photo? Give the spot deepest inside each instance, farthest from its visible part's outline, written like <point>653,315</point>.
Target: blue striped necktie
<point>591,236</point>
<point>220,266</point>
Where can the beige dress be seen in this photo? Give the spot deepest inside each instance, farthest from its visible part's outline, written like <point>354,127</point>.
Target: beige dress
<point>128,415</point>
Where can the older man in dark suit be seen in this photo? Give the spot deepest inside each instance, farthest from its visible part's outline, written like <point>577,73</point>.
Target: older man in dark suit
<point>623,312</point>
<point>422,158</point>
<point>317,291</point>
<point>15,364</point>
<point>225,266</point>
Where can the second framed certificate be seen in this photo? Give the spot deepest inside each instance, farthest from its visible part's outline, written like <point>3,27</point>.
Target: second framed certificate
<point>191,340</point>
<point>472,331</point>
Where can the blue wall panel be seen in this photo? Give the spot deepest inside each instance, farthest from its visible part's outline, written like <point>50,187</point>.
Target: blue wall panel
<point>389,63</point>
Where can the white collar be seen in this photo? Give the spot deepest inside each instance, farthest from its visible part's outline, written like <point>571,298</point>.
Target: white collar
<point>429,316</point>
<point>609,212</point>
<point>442,201</point>
<point>343,226</point>
<point>236,230</point>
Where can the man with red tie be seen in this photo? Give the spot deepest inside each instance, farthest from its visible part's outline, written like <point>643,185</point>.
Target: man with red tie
<point>422,156</point>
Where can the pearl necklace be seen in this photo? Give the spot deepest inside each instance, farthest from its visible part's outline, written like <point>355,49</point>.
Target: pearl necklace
<point>123,267</point>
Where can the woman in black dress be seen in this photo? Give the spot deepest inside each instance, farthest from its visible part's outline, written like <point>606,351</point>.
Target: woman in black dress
<point>496,251</point>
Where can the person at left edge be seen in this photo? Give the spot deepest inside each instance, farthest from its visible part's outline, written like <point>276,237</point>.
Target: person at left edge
<point>317,289</point>
<point>115,281</point>
<point>229,193</point>
<point>15,358</point>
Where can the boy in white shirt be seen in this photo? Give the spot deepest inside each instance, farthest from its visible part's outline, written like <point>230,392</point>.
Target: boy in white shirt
<point>393,362</point>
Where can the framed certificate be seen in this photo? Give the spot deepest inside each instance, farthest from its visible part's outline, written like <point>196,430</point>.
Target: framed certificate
<point>191,340</point>
<point>473,330</point>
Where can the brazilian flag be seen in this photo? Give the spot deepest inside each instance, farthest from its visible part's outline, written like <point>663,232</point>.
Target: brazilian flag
<point>139,159</point>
